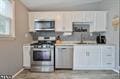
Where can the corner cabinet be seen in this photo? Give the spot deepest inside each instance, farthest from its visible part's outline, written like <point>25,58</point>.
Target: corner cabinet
<point>93,57</point>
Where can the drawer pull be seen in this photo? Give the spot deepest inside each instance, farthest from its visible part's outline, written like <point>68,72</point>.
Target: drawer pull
<point>109,48</point>
<point>109,63</point>
<point>63,48</point>
<point>109,55</point>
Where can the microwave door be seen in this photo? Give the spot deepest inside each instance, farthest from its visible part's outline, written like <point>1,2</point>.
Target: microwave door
<point>44,25</point>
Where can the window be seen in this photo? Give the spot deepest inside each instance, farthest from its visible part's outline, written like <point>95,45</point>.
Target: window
<point>6,18</point>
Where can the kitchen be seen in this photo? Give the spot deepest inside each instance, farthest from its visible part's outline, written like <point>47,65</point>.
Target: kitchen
<point>68,41</point>
<point>82,35</point>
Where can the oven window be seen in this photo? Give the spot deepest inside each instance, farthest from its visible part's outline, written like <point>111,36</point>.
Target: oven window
<point>41,55</point>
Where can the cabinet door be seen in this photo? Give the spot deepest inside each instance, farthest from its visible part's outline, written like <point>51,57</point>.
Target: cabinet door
<point>94,56</point>
<point>59,22</point>
<point>31,22</point>
<point>108,56</point>
<point>79,59</point>
<point>26,56</point>
<point>44,15</point>
<point>101,21</point>
<point>67,21</point>
<point>77,17</point>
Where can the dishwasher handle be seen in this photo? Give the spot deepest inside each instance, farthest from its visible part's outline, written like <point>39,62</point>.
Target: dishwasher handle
<point>63,48</point>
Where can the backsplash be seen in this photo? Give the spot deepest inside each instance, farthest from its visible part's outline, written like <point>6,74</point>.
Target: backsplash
<point>76,36</point>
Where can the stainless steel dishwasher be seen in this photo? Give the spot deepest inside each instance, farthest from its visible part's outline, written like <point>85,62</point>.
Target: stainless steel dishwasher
<point>64,57</point>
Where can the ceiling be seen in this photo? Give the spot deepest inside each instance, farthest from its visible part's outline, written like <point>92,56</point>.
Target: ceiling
<point>53,5</point>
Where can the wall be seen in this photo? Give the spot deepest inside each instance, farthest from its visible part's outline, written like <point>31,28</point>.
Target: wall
<point>11,50</point>
<point>112,6</point>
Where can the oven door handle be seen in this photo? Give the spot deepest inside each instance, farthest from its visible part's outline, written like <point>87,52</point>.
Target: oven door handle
<point>41,49</point>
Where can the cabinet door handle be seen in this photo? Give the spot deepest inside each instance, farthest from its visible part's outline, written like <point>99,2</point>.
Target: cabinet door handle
<point>109,55</point>
<point>109,48</point>
<point>87,54</point>
<point>63,48</point>
<point>109,63</point>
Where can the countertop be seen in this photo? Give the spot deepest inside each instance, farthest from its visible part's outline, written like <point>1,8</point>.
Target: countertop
<point>78,43</point>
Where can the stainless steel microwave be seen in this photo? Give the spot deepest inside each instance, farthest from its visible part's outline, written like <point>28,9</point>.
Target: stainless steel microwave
<point>41,25</point>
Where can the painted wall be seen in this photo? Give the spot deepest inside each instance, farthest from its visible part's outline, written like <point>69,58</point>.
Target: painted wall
<point>112,6</point>
<point>11,50</point>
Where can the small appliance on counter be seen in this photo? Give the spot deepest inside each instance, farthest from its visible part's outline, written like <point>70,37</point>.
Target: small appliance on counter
<point>101,39</point>
<point>42,55</point>
<point>58,40</point>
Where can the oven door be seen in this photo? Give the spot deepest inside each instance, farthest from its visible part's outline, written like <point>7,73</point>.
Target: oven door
<point>42,56</point>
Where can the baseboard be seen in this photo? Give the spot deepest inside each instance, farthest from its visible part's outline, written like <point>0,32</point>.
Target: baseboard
<point>17,73</point>
<point>116,71</point>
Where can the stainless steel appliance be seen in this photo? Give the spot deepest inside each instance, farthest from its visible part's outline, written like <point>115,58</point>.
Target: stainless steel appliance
<point>44,25</point>
<point>64,57</point>
<point>42,55</point>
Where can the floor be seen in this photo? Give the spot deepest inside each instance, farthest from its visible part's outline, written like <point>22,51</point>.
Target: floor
<point>69,74</point>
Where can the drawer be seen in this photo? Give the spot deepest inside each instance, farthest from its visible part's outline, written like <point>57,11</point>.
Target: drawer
<point>108,61</point>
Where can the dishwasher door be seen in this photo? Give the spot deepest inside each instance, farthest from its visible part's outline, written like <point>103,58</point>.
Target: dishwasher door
<point>64,57</point>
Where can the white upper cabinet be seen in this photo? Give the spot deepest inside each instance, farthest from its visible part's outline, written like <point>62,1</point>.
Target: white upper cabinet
<point>31,22</point>
<point>77,17</point>
<point>59,22</point>
<point>83,16</point>
<point>64,20</point>
<point>39,16</point>
<point>67,21</point>
<point>101,21</point>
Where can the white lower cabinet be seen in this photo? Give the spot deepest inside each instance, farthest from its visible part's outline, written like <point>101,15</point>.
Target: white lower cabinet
<point>86,57</point>
<point>26,56</point>
<point>108,57</point>
<point>93,57</point>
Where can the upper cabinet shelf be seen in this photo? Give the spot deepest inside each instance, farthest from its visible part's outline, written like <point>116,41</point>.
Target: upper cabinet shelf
<point>64,20</point>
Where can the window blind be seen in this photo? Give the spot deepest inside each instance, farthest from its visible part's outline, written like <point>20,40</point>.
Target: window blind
<point>6,8</point>
<point>6,15</point>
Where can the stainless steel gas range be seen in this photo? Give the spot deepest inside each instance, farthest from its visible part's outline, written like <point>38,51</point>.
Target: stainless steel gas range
<point>42,55</point>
